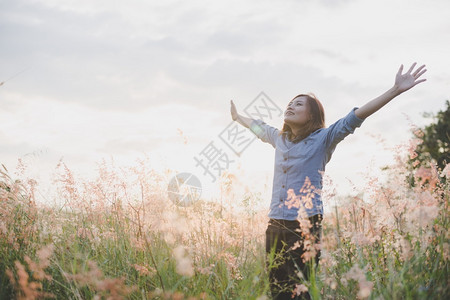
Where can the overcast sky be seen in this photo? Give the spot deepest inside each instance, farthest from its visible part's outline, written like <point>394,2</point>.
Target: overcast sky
<point>86,80</point>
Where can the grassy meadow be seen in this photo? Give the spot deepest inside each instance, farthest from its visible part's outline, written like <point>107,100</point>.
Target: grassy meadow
<point>119,236</point>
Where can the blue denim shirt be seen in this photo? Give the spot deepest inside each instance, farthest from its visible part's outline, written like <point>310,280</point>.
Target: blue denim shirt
<point>299,167</point>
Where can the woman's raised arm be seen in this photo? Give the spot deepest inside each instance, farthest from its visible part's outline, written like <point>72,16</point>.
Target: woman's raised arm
<point>244,121</point>
<point>403,82</point>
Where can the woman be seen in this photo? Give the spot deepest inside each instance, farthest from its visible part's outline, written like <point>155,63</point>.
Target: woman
<point>302,149</point>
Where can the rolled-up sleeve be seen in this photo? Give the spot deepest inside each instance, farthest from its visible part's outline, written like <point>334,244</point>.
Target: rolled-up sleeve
<point>343,127</point>
<point>264,132</point>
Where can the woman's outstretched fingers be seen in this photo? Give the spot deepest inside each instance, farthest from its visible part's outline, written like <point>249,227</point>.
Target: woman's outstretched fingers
<point>412,68</point>
<point>400,70</point>
<point>419,71</point>
<point>420,74</point>
<point>410,78</point>
<point>233,111</point>
<point>419,81</point>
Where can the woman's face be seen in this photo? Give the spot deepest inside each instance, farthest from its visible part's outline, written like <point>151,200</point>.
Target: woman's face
<point>297,112</point>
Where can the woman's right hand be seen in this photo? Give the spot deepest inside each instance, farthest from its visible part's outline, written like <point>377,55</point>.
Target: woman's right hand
<point>244,121</point>
<point>234,114</point>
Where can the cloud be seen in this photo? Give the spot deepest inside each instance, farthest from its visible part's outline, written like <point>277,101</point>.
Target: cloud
<point>121,77</point>
<point>96,59</point>
<point>10,149</point>
<point>132,145</point>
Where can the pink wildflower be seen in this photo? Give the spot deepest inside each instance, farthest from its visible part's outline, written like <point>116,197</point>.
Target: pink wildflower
<point>299,289</point>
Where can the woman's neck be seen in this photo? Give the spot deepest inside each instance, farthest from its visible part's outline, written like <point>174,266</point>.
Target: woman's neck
<point>295,131</point>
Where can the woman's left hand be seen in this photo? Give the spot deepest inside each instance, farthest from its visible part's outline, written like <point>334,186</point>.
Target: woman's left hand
<point>404,82</point>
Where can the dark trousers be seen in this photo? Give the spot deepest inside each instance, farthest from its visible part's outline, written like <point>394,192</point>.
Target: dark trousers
<point>285,262</point>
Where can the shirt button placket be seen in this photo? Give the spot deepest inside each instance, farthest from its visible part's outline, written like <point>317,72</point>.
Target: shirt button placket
<point>283,191</point>
<point>285,180</point>
<point>283,186</point>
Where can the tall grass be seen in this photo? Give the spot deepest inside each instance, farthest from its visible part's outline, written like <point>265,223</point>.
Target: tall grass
<point>119,236</point>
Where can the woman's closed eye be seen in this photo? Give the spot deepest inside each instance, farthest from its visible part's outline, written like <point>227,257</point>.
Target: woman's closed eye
<point>297,103</point>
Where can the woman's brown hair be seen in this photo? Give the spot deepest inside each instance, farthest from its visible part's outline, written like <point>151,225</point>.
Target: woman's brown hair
<point>317,119</point>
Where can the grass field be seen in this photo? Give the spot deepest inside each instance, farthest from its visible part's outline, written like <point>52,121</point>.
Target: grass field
<point>119,236</point>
